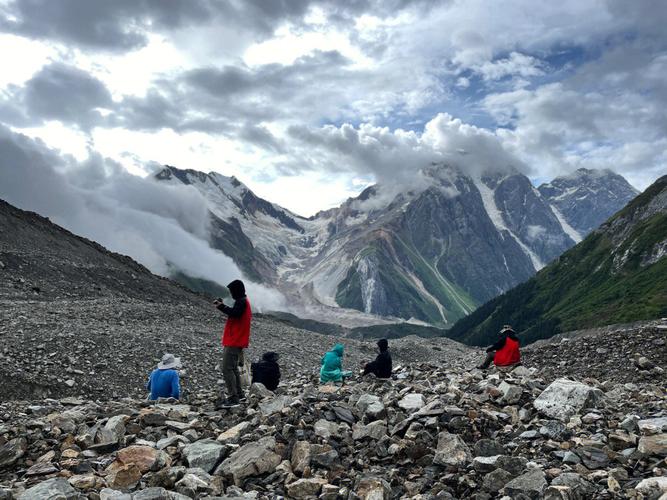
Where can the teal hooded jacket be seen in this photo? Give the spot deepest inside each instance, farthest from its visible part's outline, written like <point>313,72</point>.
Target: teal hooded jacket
<point>332,365</point>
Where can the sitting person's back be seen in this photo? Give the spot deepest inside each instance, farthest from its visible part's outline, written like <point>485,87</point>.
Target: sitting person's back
<point>164,381</point>
<point>332,365</point>
<point>267,371</point>
<point>505,352</point>
<point>382,365</point>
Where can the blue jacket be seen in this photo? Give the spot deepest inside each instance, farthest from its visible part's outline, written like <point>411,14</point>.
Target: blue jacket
<point>332,365</point>
<point>164,384</point>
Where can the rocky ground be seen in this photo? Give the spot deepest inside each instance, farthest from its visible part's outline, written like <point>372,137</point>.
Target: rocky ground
<point>428,433</point>
<point>105,348</point>
<point>81,328</point>
<point>616,353</point>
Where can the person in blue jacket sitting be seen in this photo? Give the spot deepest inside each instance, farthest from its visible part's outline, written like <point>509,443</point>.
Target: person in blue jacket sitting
<point>163,382</point>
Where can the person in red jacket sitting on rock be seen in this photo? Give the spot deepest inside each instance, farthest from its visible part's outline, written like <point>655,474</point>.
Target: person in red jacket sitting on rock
<point>235,338</point>
<point>505,352</point>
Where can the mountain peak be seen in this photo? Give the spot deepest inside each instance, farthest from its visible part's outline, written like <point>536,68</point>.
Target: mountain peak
<point>586,197</point>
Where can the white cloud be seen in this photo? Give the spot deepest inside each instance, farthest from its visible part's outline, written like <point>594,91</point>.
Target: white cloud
<point>157,224</point>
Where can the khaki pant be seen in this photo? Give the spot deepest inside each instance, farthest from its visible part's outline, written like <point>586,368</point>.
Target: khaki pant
<point>230,371</point>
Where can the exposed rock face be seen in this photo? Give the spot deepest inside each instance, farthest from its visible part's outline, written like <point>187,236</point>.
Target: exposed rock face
<point>374,250</point>
<point>587,198</point>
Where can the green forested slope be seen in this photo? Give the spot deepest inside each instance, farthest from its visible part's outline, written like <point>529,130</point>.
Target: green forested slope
<point>617,274</point>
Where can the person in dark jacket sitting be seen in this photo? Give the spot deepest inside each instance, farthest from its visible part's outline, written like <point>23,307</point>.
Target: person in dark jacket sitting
<point>266,371</point>
<point>505,352</point>
<point>381,367</point>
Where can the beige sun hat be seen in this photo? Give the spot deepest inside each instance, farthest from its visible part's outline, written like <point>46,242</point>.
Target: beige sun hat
<point>169,361</point>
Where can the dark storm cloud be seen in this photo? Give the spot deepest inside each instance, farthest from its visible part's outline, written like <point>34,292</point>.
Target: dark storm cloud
<point>103,25</point>
<point>225,100</point>
<point>120,25</point>
<point>57,92</point>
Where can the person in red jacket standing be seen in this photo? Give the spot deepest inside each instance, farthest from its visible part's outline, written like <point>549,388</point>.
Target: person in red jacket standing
<point>505,352</point>
<point>235,338</point>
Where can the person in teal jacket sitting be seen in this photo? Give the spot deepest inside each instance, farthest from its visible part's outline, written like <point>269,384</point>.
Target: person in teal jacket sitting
<point>332,366</point>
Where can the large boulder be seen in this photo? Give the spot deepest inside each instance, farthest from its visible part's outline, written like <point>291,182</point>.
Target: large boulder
<point>655,444</point>
<point>373,488</point>
<point>11,451</point>
<point>529,485</point>
<point>306,487</point>
<point>370,406</point>
<point>301,454</point>
<point>565,398</point>
<point>251,459</point>
<point>375,430</point>
<point>451,450</point>
<point>577,487</point>
<point>144,457</point>
<point>411,402</point>
<point>233,434</point>
<point>53,489</point>
<point>204,454</point>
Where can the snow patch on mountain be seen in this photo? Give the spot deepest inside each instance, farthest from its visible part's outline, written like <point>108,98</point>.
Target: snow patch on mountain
<point>488,198</point>
<point>569,230</point>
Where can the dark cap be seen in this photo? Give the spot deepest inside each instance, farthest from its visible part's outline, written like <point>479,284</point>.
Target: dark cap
<point>383,344</point>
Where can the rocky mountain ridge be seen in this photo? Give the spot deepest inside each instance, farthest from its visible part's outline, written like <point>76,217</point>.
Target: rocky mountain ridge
<point>432,252</point>
<point>586,198</point>
<point>617,274</point>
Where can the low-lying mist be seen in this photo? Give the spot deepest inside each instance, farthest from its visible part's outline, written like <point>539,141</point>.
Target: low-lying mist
<point>160,226</point>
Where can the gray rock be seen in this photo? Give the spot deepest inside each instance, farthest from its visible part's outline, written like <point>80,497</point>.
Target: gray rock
<point>111,494</point>
<point>488,448</point>
<point>531,485</point>
<point>371,406</point>
<point>51,489</point>
<point>496,479</point>
<point>451,450</point>
<point>325,459</point>
<point>653,487</point>
<point>593,458</point>
<point>554,429</point>
<point>250,460</point>
<point>344,414</point>
<point>12,451</point>
<point>652,425</point>
<point>564,398</point>
<point>307,487</point>
<point>579,488</point>
<point>260,391</point>
<point>375,430</point>
<point>511,394</point>
<point>326,429</point>
<point>204,454</point>
<point>275,405</point>
<point>412,402</point>
<point>655,444</point>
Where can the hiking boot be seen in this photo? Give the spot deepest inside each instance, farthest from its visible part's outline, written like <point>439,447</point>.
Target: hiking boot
<point>228,403</point>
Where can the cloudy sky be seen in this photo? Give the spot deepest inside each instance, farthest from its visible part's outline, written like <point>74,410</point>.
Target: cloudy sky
<point>308,101</point>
